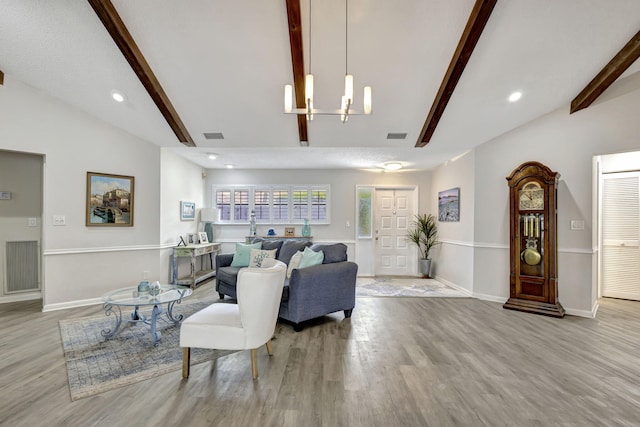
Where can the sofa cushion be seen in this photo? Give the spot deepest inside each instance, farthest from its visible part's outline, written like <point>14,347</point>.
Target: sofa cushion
<point>228,275</point>
<point>290,247</point>
<point>294,263</point>
<point>311,257</point>
<point>336,252</point>
<point>257,255</point>
<point>269,244</point>
<point>243,253</point>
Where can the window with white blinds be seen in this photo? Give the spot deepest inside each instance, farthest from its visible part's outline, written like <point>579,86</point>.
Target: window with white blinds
<point>273,204</point>
<point>621,235</point>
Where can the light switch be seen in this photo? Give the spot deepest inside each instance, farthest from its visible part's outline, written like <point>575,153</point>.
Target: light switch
<point>577,224</point>
<point>59,220</point>
<point>33,222</point>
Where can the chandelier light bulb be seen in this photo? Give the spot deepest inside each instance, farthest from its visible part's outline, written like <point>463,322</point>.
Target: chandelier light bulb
<point>348,87</point>
<point>367,99</point>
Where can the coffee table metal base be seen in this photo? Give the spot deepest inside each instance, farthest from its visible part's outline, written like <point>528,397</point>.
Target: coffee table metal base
<point>138,317</point>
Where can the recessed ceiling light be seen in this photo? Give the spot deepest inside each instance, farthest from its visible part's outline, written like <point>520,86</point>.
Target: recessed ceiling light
<point>515,96</point>
<point>117,96</point>
<point>229,166</point>
<point>212,156</point>
<point>392,166</point>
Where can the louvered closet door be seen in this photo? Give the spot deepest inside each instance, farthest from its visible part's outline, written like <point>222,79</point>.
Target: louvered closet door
<point>621,235</point>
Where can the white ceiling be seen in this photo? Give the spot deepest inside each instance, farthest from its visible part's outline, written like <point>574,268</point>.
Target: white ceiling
<point>224,64</point>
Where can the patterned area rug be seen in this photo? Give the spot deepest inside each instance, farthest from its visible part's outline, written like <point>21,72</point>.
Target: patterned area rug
<point>404,287</point>
<point>96,365</point>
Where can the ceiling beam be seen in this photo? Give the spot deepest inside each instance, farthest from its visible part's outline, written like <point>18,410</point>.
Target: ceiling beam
<point>609,74</point>
<point>127,45</point>
<point>297,62</point>
<point>475,25</point>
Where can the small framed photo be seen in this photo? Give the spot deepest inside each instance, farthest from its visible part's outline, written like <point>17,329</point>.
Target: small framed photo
<point>289,231</point>
<point>187,211</point>
<point>193,239</point>
<point>203,237</point>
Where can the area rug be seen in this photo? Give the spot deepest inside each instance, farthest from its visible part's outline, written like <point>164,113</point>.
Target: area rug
<point>96,365</point>
<point>404,287</point>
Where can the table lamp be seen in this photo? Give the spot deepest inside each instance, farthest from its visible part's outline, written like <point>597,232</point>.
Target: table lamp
<point>208,216</point>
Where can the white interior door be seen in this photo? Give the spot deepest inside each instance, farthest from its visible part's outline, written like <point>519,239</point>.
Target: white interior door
<point>394,211</point>
<point>621,235</point>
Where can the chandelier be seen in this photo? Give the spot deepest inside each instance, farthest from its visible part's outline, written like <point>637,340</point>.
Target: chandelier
<point>347,99</point>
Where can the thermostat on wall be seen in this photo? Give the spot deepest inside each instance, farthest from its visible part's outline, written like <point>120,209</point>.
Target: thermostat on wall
<point>5,195</point>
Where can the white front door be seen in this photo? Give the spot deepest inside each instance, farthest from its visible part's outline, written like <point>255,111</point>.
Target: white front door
<point>394,212</point>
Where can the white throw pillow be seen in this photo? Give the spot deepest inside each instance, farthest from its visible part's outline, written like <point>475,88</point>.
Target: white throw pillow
<point>294,263</point>
<point>257,255</point>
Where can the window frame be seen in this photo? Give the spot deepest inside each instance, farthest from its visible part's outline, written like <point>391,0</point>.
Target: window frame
<point>290,188</point>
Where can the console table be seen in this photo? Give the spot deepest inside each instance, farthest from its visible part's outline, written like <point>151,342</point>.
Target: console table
<point>192,253</point>
<point>249,239</point>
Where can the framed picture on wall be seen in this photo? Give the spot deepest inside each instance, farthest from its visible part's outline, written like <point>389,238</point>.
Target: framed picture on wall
<point>187,211</point>
<point>449,205</point>
<point>109,200</point>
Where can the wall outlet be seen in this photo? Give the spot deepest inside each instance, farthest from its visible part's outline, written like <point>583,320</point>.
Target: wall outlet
<point>59,220</point>
<point>32,222</point>
<point>348,224</point>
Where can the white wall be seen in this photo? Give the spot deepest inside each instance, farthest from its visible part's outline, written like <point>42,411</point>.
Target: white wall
<point>453,259</point>
<point>566,144</point>
<point>80,262</point>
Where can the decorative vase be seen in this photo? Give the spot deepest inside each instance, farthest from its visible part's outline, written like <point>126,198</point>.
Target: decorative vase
<point>155,288</point>
<point>425,267</point>
<point>306,228</point>
<point>143,287</point>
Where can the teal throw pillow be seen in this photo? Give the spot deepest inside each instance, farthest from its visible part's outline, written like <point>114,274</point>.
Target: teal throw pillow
<point>243,254</point>
<point>311,257</point>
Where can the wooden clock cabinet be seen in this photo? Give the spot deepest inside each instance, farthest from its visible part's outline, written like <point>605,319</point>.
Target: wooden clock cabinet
<point>533,240</point>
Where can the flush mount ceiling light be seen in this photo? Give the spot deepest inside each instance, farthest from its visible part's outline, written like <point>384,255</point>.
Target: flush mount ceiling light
<point>515,96</point>
<point>117,96</point>
<point>212,156</point>
<point>347,99</point>
<point>392,166</point>
<point>229,166</point>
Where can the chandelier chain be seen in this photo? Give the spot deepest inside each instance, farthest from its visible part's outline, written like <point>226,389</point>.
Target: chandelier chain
<point>346,36</point>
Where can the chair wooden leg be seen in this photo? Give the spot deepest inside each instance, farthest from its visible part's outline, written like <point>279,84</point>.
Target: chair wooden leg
<point>254,363</point>
<point>186,359</point>
<point>269,348</point>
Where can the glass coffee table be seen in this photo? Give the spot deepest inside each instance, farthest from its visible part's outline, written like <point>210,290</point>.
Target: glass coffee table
<point>129,297</point>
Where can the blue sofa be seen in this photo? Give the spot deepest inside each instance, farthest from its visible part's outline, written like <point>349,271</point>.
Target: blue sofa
<point>310,292</point>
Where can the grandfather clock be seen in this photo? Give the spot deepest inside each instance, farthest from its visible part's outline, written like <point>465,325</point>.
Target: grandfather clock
<point>533,240</point>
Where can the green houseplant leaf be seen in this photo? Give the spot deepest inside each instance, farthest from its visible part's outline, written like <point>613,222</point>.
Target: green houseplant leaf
<point>424,233</point>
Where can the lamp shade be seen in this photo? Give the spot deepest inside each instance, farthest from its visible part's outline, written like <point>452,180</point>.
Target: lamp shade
<point>207,215</point>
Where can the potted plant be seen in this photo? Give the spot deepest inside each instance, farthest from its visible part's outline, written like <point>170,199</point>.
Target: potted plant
<point>425,235</point>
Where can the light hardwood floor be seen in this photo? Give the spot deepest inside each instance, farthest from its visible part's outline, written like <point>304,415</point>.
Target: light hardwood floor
<point>396,362</point>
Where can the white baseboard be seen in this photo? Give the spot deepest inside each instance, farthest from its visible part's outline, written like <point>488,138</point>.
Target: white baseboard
<point>584,313</point>
<point>23,296</point>
<point>492,298</point>
<point>72,304</point>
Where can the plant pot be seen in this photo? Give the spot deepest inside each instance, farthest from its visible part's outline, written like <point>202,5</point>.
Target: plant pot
<point>425,267</point>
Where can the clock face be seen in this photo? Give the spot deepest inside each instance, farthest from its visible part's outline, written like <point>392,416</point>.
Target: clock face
<point>532,197</point>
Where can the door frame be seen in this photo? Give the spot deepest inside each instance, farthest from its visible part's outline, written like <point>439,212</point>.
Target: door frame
<point>365,247</point>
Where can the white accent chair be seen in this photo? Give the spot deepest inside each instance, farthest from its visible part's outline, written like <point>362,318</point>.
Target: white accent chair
<point>246,325</point>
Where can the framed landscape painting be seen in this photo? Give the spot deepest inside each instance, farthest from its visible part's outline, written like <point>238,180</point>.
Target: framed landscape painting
<point>109,200</point>
<point>449,205</point>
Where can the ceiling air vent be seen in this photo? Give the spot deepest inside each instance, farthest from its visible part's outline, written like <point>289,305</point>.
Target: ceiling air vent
<point>213,135</point>
<point>396,135</point>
